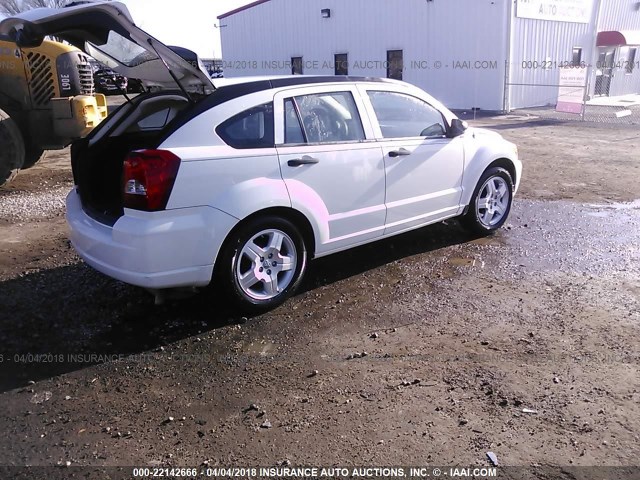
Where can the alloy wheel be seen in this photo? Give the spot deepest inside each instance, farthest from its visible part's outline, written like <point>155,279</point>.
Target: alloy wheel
<point>266,264</point>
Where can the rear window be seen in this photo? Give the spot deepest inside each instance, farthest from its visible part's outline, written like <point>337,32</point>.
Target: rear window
<point>252,128</point>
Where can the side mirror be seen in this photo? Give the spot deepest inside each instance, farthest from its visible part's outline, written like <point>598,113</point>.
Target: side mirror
<point>458,127</point>
<point>435,130</point>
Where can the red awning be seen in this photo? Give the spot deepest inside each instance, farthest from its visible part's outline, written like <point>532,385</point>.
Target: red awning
<point>615,38</point>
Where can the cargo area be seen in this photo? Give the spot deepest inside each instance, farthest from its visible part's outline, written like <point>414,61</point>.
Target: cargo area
<point>97,160</point>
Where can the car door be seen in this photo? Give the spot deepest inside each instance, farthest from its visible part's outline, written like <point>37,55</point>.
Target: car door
<point>331,165</point>
<point>423,167</point>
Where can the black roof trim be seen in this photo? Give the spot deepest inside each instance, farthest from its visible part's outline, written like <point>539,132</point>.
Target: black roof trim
<point>226,93</point>
<point>303,80</point>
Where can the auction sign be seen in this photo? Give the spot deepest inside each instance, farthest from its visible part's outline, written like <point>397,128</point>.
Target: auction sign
<point>571,90</point>
<point>576,11</point>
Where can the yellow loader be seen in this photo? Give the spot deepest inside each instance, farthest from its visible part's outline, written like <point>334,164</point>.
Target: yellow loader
<point>47,99</point>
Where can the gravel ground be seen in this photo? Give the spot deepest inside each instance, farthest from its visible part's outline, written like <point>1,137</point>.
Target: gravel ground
<point>30,206</point>
<point>428,348</point>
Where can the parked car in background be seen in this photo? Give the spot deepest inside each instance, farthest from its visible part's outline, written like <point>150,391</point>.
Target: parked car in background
<point>135,85</point>
<point>216,73</point>
<point>241,185</point>
<point>107,81</point>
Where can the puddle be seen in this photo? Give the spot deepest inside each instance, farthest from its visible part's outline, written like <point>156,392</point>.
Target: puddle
<point>493,241</point>
<point>545,193</point>
<point>635,205</point>
<point>612,208</point>
<point>465,262</point>
<point>260,348</point>
<point>599,214</point>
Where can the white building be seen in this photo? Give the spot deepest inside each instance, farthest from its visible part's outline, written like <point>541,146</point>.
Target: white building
<point>486,54</point>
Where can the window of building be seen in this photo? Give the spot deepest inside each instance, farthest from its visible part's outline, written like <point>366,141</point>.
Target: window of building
<point>252,128</point>
<point>341,61</point>
<point>296,66</point>
<point>631,60</point>
<point>322,118</point>
<point>576,56</point>
<point>404,116</point>
<point>395,64</point>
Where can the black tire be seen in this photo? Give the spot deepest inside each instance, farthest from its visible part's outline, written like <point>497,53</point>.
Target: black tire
<point>33,156</point>
<point>232,263</point>
<point>11,148</point>
<point>473,220</point>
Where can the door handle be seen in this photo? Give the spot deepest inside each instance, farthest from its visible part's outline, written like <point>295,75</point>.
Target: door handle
<point>306,160</point>
<point>402,152</point>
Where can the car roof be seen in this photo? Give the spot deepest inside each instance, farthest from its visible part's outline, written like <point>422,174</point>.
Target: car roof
<point>277,81</point>
<point>241,86</point>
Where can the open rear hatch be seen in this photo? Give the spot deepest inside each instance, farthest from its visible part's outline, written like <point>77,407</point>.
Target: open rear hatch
<point>106,31</point>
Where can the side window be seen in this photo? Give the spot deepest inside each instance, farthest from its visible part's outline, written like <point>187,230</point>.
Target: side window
<point>296,66</point>
<point>155,121</point>
<point>325,118</point>
<point>402,116</point>
<point>395,64</point>
<point>631,60</point>
<point>292,128</point>
<point>576,56</point>
<point>252,128</point>
<point>341,64</point>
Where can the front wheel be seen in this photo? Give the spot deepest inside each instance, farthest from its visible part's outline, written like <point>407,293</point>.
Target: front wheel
<point>490,203</point>
<point>262,264</point>
<point>11,148</point>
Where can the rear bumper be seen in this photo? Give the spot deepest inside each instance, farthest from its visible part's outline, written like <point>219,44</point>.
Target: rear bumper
<point>173,248</point>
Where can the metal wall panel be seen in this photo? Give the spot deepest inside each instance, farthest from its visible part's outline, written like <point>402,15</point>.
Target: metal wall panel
<point>456,33</point>
<point>622,15</point>
<point>435,36</point>
<point>539,49</point>
<point>535,42</point>
<point>619,15</point>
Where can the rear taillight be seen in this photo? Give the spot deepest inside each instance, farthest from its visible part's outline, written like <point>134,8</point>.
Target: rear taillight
<point>148,177</point>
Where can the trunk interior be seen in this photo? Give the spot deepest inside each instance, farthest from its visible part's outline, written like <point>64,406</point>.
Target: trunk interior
<point>97,160</point>
<point>97,171</point>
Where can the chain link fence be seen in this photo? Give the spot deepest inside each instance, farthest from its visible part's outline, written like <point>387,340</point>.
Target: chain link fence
<point>579,95</point>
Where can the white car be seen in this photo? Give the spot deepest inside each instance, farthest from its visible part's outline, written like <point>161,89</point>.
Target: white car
<point>242,184</point>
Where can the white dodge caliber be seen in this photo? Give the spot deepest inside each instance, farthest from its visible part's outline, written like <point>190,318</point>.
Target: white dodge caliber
<point>240,185</point>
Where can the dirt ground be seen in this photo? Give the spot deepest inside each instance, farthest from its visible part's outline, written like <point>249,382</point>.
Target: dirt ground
<point>426,349</point>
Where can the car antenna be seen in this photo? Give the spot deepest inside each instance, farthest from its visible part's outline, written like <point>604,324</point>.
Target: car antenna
<point>173,75</point>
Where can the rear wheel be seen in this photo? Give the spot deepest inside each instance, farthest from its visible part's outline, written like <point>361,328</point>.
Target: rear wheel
<point>11,148</point>
<point>262,264</point>
<point>490,203</point>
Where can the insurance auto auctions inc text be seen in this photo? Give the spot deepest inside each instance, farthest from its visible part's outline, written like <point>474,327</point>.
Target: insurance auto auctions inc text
<point>354,472</point>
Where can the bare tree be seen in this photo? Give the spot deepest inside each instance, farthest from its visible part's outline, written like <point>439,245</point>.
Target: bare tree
<point>30,4</point>
<point>12,7</point>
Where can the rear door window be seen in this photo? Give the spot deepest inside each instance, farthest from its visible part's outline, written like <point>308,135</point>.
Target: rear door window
<point>322,118</point>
